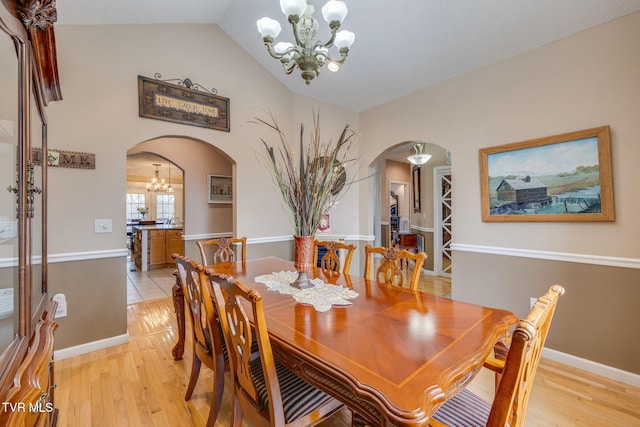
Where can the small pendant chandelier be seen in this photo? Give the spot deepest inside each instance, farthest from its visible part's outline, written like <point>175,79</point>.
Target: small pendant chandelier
<point>419,158</point>
<point>307,54</point>
<point>157,184</point>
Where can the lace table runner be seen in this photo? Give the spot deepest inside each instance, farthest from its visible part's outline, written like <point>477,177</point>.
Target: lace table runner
<point>322,296</point>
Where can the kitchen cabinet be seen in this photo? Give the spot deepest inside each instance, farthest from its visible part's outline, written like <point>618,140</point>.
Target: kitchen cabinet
<point>154,245</point>
<point>157,244</point>
<point>173,245</point>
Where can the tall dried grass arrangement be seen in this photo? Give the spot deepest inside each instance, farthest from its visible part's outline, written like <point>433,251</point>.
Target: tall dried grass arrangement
<point>312,180</point>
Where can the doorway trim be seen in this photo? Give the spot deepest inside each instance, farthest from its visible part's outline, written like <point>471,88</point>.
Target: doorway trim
<point>442,221</point>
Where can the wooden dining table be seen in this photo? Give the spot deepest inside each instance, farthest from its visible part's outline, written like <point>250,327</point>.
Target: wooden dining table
<point>392,355</point>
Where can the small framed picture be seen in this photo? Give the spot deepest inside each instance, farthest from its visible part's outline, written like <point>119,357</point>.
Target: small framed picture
<point>416,189</point>
<point>220,189</point>
<point>325,224</point>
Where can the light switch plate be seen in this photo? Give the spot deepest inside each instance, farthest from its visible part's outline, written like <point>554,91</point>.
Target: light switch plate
<point>102,226</point>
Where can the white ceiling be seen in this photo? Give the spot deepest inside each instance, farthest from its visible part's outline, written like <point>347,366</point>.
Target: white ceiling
<point>401,46</point>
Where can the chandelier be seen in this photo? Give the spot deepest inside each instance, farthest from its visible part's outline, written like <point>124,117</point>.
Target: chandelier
<point>157,184</point>
<point>419,158</point>
<point>307,54</point>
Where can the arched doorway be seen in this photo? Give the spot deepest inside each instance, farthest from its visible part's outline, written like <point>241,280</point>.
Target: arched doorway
<point>191,162</point>
<point>426,207</point>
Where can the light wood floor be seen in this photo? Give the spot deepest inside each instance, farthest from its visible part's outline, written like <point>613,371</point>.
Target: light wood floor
<point>139,384</point>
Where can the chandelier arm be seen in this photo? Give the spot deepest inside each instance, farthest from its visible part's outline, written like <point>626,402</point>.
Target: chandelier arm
<point>288,68</point>
<point>293,51</point>
<point>334,26</point>
<point>268,42</point>
<point>323,54</point>
<point>293,20</point>
<point>344,52</point>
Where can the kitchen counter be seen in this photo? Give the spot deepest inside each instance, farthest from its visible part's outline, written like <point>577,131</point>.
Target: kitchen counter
<point>155,244</point>
<point>158,227</point>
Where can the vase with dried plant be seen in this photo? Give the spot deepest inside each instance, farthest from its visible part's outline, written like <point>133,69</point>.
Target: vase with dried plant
<point>310,182</point>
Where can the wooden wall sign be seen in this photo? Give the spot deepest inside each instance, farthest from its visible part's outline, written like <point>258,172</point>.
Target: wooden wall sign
<point>182,103</point>
<point>66,159</point>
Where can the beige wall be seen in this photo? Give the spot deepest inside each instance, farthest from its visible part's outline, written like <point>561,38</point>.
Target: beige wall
<point>587,80</point>
<point>396,172</point>
<point>596,319</point>
<point>96,300</point>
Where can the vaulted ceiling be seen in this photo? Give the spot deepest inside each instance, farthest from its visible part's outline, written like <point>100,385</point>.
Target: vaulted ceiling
<point>400,46</point>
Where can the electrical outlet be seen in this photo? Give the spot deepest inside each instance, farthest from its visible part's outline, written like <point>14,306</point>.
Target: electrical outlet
<point>102,226</point>
<point>61,309</point>
<point>532,301</point>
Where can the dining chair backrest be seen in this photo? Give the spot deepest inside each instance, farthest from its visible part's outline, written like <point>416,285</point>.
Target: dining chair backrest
<point>510,402</point>
<point>514,388</point>
<point>263,389</point>
<point>208,344</point>
<point>223,250</point>
<point>330,261</point>
<point>390,271</point>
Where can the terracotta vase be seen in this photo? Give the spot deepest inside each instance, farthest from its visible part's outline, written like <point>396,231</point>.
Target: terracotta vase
<point>303,260</point>
<point>303,252</point>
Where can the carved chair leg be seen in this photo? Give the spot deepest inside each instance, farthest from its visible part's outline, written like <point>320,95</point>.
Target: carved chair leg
<point>216,402</point>
<point>193,378</point>
<point>216,398</point>
<point>237,415</point>
<point>178,305</point>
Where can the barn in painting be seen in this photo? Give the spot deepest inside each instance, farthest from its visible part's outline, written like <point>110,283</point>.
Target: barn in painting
<point>522,191</point>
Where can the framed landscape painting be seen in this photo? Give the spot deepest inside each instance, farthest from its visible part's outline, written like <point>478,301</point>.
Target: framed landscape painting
<point>557,178</point>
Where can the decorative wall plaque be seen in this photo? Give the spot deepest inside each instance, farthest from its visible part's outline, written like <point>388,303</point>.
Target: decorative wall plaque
<point>66,159</point>
<point>184,102</point>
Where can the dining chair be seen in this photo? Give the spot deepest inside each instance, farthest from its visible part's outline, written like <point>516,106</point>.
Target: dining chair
<point>330,262</point>
<point>389,271</point>
<point>223,249</point>
<point>208,342</point>
<point>516,380</point>
<point>263,389</point>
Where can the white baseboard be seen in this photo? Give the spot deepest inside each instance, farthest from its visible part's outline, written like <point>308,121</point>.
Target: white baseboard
<point>428,272</point>
<point>77,350</point>
<point>593,367</point>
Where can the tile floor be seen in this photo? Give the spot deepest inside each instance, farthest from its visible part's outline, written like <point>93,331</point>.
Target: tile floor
<point>148,285</point>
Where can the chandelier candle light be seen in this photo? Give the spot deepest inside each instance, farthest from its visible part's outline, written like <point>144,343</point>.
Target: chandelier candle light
<point>157,184</point>
<point>307,54</point>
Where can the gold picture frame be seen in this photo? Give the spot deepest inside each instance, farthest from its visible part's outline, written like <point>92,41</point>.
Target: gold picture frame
<point>566,177</point>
